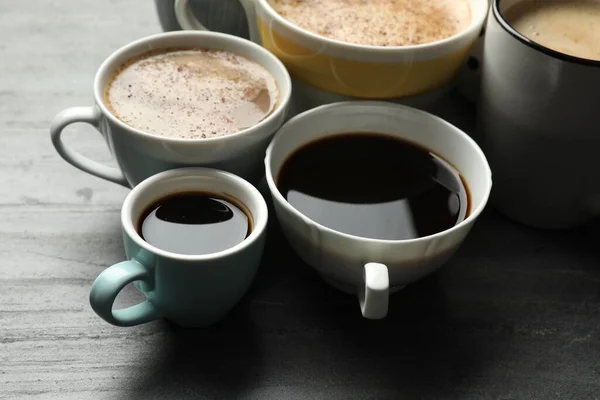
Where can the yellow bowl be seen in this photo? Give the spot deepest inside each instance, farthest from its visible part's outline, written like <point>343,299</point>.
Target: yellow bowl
<point>364,71</point>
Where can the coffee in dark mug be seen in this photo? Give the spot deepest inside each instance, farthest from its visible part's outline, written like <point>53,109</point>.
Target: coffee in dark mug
<point>570,27</point>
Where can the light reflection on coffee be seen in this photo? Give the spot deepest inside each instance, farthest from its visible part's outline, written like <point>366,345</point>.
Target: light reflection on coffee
<point>195,223</point>
<point>374,186</point>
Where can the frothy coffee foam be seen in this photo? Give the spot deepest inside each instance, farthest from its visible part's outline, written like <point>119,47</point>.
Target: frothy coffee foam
<point>191,93</point>
<point>568,26</point>
<point>378,22</point>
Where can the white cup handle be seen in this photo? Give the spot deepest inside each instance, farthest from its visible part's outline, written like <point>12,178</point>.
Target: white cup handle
<point>90,115</point>
<point>187,20</point>
<point>374,297</point>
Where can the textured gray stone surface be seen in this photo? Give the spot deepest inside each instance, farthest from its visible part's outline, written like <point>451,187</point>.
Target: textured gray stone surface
<point>515,315</point>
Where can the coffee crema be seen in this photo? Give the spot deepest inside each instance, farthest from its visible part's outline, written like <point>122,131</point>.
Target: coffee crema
<point>378,22</point>
<point>568,26</point>
<point>374,186</point>
<point>194,223</point>
<point>191,93</point>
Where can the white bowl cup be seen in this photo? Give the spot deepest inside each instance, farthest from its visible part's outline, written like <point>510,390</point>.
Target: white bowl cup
<point>367,267</point>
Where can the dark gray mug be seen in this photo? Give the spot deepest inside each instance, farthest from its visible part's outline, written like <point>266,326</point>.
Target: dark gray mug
<point>539,118</point>
<point>226,16</point>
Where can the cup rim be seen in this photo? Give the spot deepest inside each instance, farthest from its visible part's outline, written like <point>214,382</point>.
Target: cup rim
<point>260,224</point>
<point>536,46</point>
<point>476,24</point>
<point>379,104</point>
<point>277,112</point>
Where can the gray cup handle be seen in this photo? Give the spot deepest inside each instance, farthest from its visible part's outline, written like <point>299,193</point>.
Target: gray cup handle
<point>187,20</point>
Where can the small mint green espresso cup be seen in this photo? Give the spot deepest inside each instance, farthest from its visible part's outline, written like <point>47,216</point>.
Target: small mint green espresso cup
<point>191,291</point>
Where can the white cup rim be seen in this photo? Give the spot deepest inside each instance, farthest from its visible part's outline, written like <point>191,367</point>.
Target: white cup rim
<point>260,215</point>
<point>475,25</point>
<point>380,104</point>
<point>275,114</point>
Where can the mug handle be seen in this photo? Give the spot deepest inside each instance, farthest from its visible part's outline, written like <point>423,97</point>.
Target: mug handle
<point>469,79</point>
<point>107,286</point>
<point>373,298</point>
<point>89,115</point>
<point>187,20</point>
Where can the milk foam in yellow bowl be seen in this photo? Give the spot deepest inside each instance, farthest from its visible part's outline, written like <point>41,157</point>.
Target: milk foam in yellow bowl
<point>373,70</point>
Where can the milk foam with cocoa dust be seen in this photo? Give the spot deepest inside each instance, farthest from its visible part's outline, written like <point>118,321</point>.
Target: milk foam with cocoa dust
<point>191,93</point>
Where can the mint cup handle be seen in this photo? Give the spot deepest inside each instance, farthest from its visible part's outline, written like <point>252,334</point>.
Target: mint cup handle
<point>373,297</point>
<point>107,286</point>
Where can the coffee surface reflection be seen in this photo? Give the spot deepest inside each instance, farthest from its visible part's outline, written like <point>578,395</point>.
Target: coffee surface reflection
<point>374,186</point>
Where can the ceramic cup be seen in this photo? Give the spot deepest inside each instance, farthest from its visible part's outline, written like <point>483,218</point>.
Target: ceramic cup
<point>367,267</point>
<point>141,154</point>
<point>191,291</point>
<point>539,120</point>
<point>359,71</point>
<point>226,16</point>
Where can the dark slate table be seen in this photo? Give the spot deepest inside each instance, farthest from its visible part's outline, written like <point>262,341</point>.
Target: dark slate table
<point>514,315</point>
